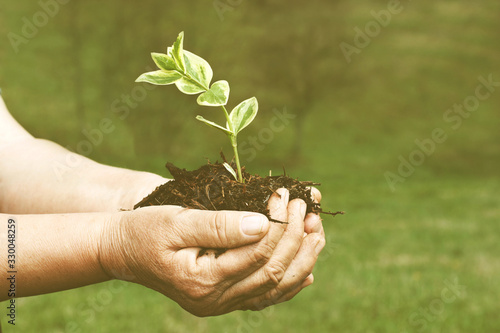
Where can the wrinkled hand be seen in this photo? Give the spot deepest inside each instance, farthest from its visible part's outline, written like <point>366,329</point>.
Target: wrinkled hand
<point>163,248</point>
<point>289,270</point>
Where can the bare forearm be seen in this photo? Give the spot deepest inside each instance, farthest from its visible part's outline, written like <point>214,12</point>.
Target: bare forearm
<point>51,252</point>
<point>38,176</point>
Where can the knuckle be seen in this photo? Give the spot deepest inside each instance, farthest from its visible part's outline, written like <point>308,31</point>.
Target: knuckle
<point>199,293</point>
<point>218,225</point>
<point>196,294</point>
<point>266,300</point>
<point>256,304</point>
<point>262,253</point>
<point>274,273</point>
<point>259,306</point>
<point>273,296</point>
<point>199,289</point>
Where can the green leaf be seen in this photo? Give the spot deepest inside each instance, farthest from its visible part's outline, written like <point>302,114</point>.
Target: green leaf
<point>243,114</point>
<point>214,125</point>
<point>163,61</point>
<point>189,87</point>
<point>197,72</point>
<point>231,170</point>
<point>177,52</point>
<point>198,75</point>
<point>216,96</point>
<point>198,68</point>
<point>160,77</point>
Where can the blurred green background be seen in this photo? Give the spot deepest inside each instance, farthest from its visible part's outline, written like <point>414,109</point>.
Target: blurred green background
<point>389,263</point>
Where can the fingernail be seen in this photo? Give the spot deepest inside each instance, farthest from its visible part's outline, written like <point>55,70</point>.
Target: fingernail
<point>253,224</point>
<point>315,194</point>
<point>319,246</point>
<point>284,195</point>
<point>313,198</point>
<point>310,280</point>
<point>303,208</point>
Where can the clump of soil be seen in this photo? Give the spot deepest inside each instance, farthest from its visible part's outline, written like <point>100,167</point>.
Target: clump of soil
<point>212,187</point>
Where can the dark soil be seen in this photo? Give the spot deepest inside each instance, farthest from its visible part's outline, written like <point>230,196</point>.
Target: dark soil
<point>212,187</point>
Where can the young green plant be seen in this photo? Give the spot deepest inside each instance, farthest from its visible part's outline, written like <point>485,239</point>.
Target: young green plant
<point>192,75</point>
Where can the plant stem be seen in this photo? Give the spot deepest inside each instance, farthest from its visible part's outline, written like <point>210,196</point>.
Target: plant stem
<point>234,143</point>
<point>237,158</point>
<point>232,137</point>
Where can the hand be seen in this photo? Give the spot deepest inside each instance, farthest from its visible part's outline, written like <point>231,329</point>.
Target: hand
<point>293,259</point>
<point>160,247</point>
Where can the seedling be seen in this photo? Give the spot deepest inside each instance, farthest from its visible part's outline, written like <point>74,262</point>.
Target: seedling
<point>192,75</point>
<point>209,187</point>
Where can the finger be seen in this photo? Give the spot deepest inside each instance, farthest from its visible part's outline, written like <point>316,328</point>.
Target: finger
<point>313,224</point>
<point>269,276</point>
<point>263,251</point>
<point>217,229</point>
<point>315,194</point>
<point>291,294</point>
<point>298,272</point>
<point>277,206</point>
<point>308,281</point>
<point>236,264</point>
<point>255,304</point>
<point>303,263</point>
<point>205,264</point>
<point>292,237</point>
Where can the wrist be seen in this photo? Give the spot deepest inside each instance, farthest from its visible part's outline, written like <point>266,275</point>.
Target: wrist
<point>112,248</point>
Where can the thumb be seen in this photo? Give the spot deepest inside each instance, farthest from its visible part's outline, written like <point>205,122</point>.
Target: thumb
<point>222,229</point>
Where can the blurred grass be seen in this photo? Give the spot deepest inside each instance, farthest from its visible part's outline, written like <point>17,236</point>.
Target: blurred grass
<point>390,255</point>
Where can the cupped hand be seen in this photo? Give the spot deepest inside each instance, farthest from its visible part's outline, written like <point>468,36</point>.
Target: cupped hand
<point>164,248</point>
<point>290,267</point>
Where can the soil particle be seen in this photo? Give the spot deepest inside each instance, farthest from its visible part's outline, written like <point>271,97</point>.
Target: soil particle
<point>212,187</point>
